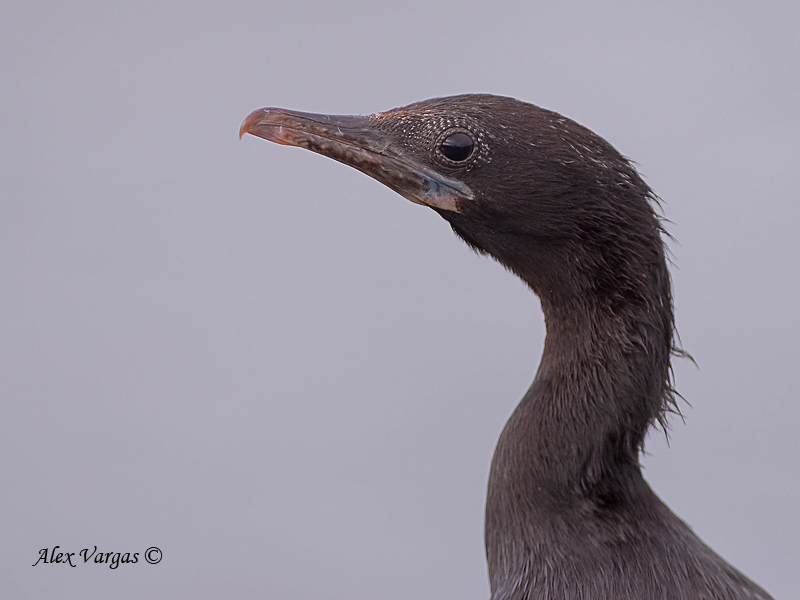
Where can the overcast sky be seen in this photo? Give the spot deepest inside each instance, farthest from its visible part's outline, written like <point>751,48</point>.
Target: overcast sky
<point>291,380</point>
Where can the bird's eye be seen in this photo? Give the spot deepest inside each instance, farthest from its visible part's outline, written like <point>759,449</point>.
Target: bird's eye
<point>457,146</point>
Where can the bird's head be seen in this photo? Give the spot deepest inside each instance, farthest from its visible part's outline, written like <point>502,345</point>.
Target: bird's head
<point>546,197</point>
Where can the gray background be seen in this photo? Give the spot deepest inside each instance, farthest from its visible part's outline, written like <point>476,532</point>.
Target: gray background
<point>289,378</point>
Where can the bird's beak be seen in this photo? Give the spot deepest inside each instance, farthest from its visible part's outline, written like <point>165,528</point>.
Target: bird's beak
<point>355,141</point>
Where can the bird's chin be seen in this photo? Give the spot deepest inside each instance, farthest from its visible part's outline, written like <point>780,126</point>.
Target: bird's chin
<point>351,141</point>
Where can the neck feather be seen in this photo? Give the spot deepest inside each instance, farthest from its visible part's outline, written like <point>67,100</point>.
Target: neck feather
<point>569,454</point>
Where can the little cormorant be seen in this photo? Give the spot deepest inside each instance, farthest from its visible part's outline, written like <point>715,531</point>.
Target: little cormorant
<point>568,513</point>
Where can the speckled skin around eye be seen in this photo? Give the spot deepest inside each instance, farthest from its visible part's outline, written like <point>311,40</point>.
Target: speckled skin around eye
<point>424,130</point>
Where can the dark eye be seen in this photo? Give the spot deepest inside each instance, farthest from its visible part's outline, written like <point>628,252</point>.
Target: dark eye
<point>457,147</point>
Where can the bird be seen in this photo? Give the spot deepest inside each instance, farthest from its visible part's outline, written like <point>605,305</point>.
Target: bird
<point>569,514</point>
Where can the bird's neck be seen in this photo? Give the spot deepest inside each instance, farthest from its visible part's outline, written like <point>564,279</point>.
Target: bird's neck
<point>569,453</point>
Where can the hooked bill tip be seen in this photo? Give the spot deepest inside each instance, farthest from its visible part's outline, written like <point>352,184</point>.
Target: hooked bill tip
<point>252,119</point>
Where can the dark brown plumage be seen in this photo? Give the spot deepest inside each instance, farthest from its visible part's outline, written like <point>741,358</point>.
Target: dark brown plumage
<point>568,513</point>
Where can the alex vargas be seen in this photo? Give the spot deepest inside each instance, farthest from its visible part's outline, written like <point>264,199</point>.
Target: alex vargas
<point>113,559</point>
